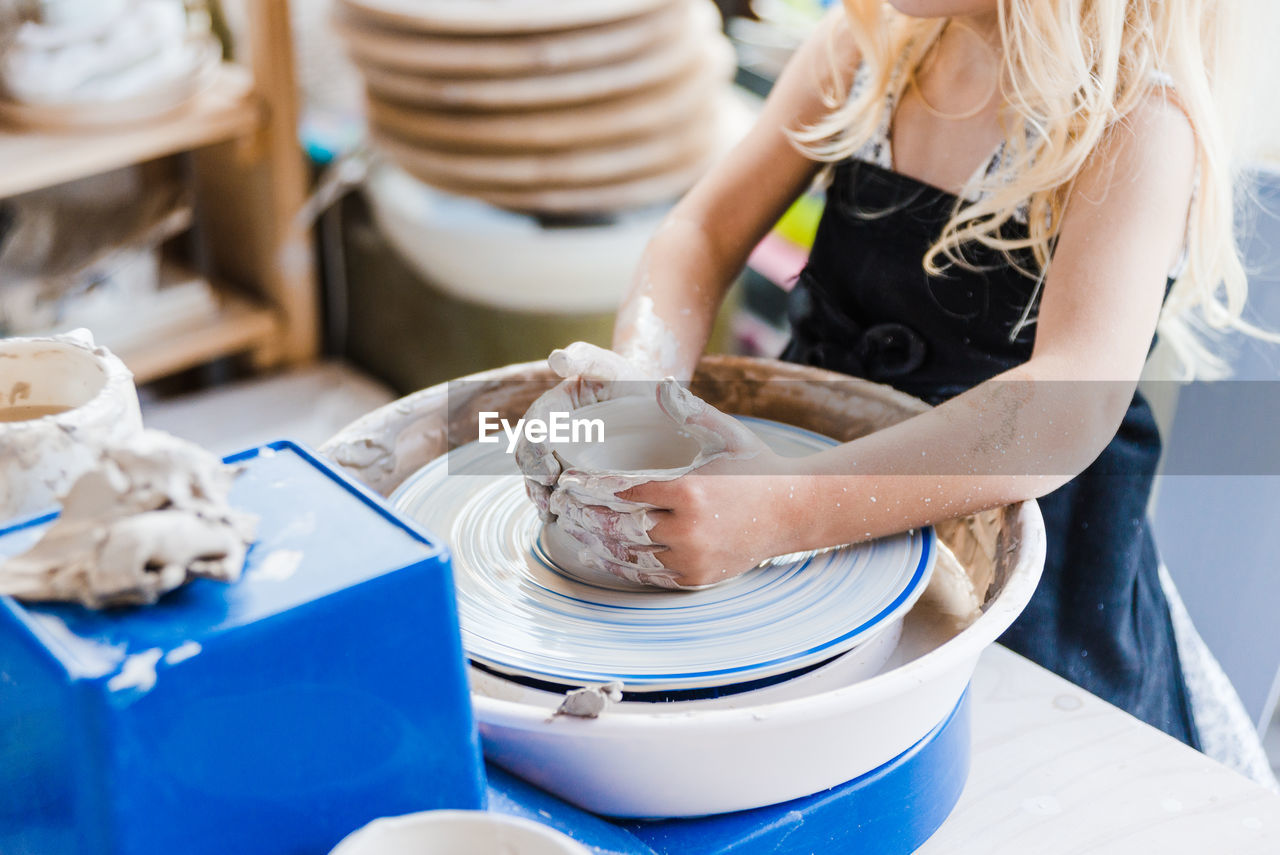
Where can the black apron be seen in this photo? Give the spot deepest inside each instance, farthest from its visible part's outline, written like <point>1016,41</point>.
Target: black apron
<point>865,307</point>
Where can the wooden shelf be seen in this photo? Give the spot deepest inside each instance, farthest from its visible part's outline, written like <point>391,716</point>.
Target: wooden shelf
<point>32,159</point>
<point>240,325</point>
<point>248,197</point>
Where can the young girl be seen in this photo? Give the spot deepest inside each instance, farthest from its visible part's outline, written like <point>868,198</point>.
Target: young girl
<point>1021,192</point>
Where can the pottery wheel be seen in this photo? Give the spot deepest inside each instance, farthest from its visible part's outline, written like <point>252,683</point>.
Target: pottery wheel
<point>520,615</point>
<point>569,108</point>
<point>511,55</point>
<point>478,17</point>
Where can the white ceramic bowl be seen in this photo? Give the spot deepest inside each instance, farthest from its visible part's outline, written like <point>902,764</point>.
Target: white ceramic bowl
<point>450,240</point>
<point>457,832</point>
<point>41,457</point>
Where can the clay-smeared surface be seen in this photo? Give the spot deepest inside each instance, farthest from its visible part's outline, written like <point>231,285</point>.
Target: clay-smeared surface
<point>149,515</point>
<point>641,443</point>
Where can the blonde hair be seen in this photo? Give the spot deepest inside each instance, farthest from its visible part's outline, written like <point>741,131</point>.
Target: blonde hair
<point>1071,72</point>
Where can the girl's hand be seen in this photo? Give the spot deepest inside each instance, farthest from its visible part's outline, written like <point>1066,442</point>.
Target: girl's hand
<point>719,521</point>
<point>705,523</point>
<point>591,374</point>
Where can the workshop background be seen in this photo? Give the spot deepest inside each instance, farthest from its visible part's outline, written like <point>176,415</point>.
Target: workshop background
<point>273,213</point>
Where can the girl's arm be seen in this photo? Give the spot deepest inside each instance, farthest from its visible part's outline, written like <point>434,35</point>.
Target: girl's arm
<point>664,323</point>
<point>1017,436</point>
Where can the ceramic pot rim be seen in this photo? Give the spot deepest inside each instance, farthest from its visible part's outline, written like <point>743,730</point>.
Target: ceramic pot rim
<point>117,379</point>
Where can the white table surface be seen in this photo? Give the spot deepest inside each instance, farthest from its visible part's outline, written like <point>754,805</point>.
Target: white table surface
<point>1056,770</point>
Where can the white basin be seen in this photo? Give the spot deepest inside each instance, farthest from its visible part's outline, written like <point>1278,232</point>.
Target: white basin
<point>755,749</point>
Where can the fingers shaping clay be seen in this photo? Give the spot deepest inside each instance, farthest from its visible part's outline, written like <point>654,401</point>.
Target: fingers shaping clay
<point>594,534</point>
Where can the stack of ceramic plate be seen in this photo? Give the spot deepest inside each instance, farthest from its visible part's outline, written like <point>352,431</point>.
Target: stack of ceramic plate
<point>549,106</point>
<point>524,618</point>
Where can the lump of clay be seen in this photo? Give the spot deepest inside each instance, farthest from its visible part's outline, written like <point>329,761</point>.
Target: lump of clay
<point>590,701</point>
<point>40,458</point>
<point>149,516</point>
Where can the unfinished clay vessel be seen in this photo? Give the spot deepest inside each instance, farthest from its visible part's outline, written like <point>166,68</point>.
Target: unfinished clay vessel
<point>639,442</point>
<point>59,398</point>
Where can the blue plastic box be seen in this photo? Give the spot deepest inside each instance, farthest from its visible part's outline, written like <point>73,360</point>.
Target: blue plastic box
<point>267,717</point>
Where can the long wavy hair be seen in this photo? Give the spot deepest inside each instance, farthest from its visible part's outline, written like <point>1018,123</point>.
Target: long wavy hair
<point>1071,71</point>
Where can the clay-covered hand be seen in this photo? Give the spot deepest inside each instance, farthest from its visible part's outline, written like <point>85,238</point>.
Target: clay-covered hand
<point>590,375</point>
<point>623,520</point>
